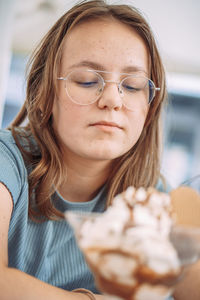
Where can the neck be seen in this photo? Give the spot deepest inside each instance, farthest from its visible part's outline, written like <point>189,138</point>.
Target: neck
<point>84,178</point>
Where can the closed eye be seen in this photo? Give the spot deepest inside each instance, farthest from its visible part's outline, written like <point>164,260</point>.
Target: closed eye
<point>87,84</point>
<point>130,88</point>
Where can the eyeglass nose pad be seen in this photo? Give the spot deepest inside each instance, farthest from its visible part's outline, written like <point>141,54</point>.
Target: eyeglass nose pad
<point>120,91</point>
<point>99,91</point>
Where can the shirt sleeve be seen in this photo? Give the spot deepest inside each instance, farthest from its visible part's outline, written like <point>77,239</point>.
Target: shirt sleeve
<point>12,168</point>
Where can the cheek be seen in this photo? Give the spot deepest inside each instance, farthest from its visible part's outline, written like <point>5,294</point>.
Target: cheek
<point>63,110</point>
<point>138,116</point>
<point>62,115</point>
<point>67,116</point>
<point>136,123</point>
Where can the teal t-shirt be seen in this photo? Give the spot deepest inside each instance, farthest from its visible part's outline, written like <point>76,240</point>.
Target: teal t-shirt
<point>45,250</point>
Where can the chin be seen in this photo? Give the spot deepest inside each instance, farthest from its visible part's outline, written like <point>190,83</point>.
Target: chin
<point>106,154</point>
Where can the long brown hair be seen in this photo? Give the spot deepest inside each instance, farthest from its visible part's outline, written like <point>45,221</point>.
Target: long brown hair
<point>140,166</point>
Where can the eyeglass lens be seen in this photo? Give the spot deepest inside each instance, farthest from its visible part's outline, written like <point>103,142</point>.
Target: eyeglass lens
<point>84,87</point>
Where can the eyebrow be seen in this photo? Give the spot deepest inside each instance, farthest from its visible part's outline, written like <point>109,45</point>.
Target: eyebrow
<point>97,66</point>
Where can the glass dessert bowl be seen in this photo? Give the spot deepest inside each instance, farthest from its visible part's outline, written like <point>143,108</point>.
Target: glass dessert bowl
<point>133,249</point>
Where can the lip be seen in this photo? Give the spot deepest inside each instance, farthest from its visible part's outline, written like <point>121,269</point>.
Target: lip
<point>106,124</point>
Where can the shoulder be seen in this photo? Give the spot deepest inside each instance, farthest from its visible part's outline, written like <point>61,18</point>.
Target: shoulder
<point>8,147</point>
<point>6,136</point>
<point>13,173</point>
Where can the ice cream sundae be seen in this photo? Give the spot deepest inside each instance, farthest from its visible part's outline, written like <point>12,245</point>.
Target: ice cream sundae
<point>128,247</point>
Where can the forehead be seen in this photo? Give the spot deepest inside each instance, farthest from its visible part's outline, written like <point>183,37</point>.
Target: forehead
<point>107,42</point>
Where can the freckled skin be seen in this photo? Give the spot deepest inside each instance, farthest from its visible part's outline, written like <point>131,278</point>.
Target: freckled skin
<point>115,46</point>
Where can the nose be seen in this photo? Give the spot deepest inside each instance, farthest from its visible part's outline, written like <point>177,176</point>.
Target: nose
<point>111,97</point>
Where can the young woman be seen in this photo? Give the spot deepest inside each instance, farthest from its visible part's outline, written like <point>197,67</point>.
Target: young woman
<point>89,128</point>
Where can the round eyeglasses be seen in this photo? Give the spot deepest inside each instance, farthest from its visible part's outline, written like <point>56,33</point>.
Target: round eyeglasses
<point>85,87</point>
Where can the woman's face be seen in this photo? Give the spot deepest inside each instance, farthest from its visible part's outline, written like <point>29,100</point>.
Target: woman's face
<point>106,129</point>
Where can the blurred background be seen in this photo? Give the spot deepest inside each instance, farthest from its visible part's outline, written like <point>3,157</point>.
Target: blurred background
<point>176,25</point>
